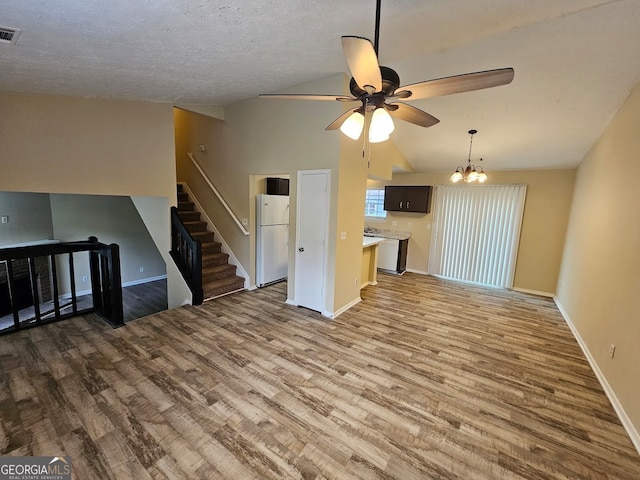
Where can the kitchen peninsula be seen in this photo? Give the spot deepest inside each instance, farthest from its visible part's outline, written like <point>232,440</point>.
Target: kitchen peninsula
<point>392,251</point>
<point>369,271</point>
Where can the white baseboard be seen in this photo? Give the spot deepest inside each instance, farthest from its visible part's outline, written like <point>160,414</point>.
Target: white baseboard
<point>233,260</point>
<point>144,280</point>
<point>633,433</point>
<point>335,314</point>
<point>79,293</point>
<point>534,292</point>
<point>420,272</point>
<point>288,301</point>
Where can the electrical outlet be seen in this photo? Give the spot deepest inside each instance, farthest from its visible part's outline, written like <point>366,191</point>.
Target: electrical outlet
<point>245,221</point>
<point>394,223</point>
<point>5,219</point>
<point>409,225</point>
<point>343,235</point>
<point>141,269</point>
<point>612,350</point>
<point>84,279</point>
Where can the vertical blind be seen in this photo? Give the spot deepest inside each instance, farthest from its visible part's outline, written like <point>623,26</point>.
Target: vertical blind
<point>477,230</point>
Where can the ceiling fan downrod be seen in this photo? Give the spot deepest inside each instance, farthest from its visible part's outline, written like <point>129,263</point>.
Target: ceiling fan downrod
<point>377,32</point>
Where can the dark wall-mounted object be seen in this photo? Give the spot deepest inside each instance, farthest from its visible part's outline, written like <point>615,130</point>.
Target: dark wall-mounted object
<point>407,198</point>
<point>277,186</point>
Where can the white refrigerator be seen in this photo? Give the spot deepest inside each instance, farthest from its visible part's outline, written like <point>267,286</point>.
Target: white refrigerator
<point>272,239</point>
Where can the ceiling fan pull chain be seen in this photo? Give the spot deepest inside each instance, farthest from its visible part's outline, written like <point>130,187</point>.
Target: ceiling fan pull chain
<point>365,133</point>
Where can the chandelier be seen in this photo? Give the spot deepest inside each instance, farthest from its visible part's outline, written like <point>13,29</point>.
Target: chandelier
<point>470,173</point>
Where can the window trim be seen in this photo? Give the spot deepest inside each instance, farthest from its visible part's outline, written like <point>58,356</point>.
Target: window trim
<point>380,204</point>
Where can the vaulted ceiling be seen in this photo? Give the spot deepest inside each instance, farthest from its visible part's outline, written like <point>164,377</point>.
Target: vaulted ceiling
<point>576,61</point>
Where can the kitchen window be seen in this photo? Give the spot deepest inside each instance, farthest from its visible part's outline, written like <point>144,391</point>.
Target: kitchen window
<point>374,203</point>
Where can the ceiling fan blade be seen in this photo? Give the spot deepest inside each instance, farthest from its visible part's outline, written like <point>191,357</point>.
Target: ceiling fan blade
<point>363,63</point>
<point>411,114</point>
<point>337,123</point>
<point>294,96</point>
<point>457,84</point>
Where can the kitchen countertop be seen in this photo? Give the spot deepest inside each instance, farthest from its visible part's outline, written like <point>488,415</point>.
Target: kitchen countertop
<point>369,241</point>
<point>383,233</point>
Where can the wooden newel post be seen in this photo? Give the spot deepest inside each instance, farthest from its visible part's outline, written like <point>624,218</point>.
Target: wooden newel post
<point>115,280</point>
<point>94,269</point>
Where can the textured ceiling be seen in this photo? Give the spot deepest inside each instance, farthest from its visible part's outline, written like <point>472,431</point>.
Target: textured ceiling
<point>576,61</point>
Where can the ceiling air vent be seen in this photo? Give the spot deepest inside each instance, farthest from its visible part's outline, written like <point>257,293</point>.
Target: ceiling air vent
<point>8,35</point>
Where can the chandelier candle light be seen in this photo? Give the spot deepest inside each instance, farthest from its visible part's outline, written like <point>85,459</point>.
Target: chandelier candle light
<point>471,173</point>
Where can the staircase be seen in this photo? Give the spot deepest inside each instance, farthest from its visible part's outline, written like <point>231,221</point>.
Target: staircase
<point>218,276</point>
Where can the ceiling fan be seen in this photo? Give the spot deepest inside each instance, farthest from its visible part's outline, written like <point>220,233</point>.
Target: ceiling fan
<point>378,90</point>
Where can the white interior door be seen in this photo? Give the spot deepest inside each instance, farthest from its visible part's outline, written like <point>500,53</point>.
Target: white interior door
<point>312,238</point>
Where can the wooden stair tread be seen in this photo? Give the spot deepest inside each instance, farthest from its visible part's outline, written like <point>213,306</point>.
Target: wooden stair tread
<point>218,272</point>
<point>210,247</point>
<point>218,268</point>
<point>224,281</point>
<point>204,237</point>
<point>222,286</point>
<point>196,225</point>
<point>189,215</point>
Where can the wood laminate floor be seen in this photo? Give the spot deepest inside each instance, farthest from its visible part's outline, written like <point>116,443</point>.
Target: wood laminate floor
<point>425,379</point>
<point>137,301</point>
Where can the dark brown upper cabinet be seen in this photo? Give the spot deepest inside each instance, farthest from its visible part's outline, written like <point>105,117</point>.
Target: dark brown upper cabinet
<point>407,198</point>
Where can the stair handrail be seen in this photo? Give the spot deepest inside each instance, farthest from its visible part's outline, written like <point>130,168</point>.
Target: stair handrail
<point>186,252</point>
<point>217,193</point>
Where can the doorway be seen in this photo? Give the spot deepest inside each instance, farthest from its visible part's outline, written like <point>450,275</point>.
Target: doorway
<point>312,230</point>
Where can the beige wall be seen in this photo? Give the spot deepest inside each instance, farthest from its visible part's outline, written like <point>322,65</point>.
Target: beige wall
<point>600,275</point>
<point>56,144</point>
<point>385,157</point>
<point>543,226</point>
<point>351,192</point>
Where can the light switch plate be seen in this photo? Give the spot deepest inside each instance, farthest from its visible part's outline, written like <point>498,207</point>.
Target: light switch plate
<point>5,219</point>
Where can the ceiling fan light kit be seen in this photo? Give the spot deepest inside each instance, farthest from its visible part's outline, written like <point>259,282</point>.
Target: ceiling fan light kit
<point>380,127</point>
<point>470,173</point>
<point>353,125</point>
<point>378,90</point>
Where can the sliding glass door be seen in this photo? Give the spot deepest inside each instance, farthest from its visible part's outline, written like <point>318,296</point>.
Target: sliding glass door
<point>476,233</point>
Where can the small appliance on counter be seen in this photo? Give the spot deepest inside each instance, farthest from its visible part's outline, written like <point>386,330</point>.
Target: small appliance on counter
<point>277,186</point>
